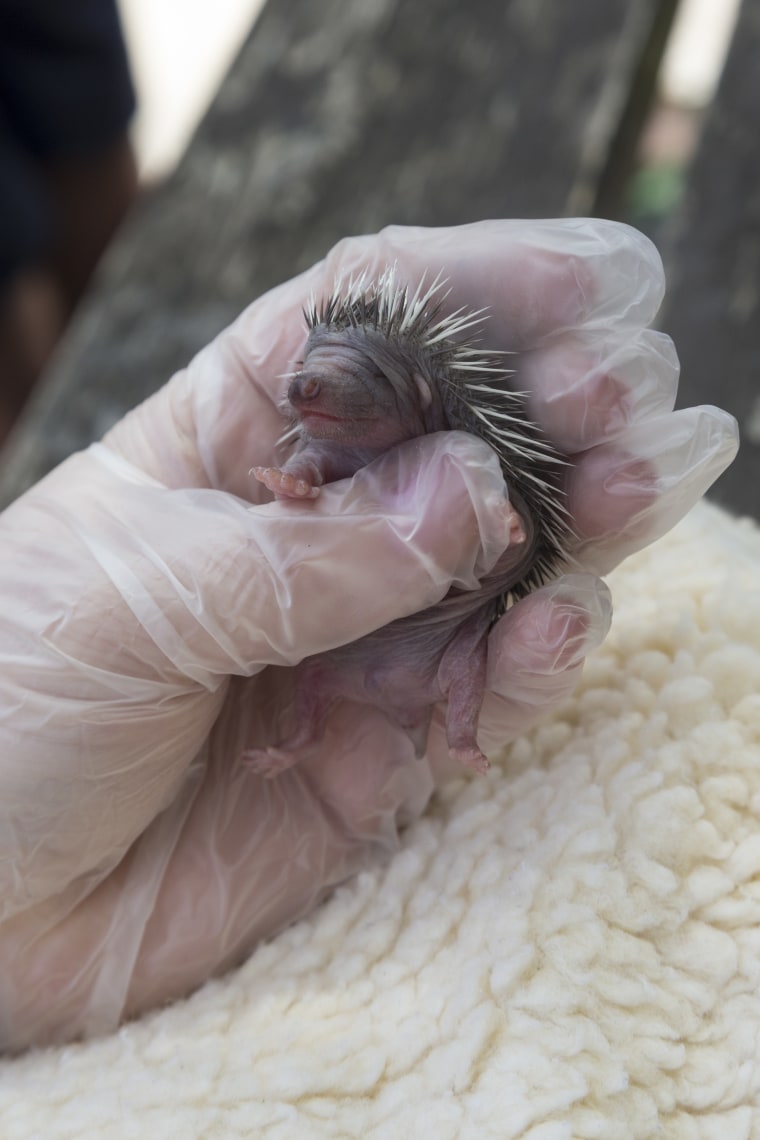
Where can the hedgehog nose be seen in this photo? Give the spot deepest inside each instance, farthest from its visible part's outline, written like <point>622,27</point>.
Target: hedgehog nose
<point>303,389</point>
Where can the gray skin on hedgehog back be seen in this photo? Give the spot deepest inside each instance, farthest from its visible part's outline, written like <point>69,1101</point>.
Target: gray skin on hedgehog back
<point>378,393</point>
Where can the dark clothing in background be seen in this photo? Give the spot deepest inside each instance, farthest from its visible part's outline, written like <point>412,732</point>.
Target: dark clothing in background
<point>65,92</point>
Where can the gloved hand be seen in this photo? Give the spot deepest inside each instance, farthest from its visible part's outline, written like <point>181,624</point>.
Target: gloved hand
<point>151,597</point>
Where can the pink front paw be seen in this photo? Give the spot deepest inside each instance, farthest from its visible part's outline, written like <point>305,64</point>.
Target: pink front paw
<point>267,762</point>
<point>284,484</point>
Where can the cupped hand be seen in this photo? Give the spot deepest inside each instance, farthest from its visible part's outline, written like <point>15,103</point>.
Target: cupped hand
<point>154,600</point>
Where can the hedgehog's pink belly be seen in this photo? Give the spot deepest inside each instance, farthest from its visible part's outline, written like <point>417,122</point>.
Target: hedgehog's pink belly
<point>404,669</point>
<point>394,666</point>
<point>384,672</point>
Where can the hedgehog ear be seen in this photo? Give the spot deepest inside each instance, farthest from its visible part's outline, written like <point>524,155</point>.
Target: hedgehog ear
<point>426,396</point>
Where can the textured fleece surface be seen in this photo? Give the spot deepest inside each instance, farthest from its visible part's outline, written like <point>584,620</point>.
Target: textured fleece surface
<point>567,948</point>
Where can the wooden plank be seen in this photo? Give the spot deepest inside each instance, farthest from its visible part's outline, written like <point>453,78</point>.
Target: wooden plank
<point>712,255</point>
<point>339,116</point>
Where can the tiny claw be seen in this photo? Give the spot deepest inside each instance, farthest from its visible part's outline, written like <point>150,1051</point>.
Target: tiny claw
<point>263,474</point>
<point>471,758</point>
<point>267,762</point>
<point>306,490</point>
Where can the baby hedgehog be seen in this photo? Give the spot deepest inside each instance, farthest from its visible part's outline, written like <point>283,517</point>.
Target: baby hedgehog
<point>383,365</point>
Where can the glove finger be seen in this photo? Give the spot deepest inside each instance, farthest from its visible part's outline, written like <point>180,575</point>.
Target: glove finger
<point>225,588</point>
<point>587,388</point>
<point>537,650</point>
<point>625,494</point>
<point>219,587</point>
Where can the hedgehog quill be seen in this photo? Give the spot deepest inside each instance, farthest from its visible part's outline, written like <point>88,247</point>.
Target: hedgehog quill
<point>382,365</point>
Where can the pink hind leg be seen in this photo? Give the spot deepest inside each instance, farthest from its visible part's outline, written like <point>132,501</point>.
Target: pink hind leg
<point>462,676</point>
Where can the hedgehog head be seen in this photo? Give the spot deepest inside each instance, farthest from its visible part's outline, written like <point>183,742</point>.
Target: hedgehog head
<point>385,362</point>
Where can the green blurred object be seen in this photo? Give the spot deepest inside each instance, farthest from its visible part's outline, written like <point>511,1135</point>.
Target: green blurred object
<point>655,191</point>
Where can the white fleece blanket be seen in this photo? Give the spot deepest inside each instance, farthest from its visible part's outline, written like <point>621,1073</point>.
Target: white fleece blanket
<point>568,948</point>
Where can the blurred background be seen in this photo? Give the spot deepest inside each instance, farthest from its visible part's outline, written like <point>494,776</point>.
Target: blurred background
<point>257,134</point>
<point>179,64</point>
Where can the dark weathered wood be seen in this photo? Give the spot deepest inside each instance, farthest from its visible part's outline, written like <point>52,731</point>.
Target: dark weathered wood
<point>340,116</point>
<point>623,154</point>
<point>713,259</point>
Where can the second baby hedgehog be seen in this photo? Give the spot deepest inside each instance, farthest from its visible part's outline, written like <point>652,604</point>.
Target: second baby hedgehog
<point>382,365</point>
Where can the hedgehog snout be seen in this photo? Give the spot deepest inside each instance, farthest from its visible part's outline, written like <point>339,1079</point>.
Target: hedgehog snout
<point>304,389</point>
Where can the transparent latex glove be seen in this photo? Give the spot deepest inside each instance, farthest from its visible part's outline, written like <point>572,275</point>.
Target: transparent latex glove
<point>153,599</point>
